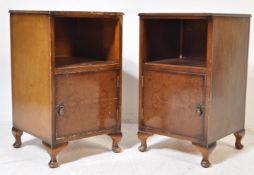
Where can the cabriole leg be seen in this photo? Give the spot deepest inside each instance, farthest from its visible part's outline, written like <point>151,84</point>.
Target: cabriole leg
<point>205,151</point>
<point>53,151</point>
<point>143,138</point>
<point>238,138</point>
<point>17,134</point>
<point>116,138</point>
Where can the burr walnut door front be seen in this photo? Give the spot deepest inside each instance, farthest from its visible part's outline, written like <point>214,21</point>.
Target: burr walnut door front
<point>86,102</point>
<point>173,103</point>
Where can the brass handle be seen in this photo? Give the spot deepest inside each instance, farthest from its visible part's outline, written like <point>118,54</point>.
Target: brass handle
<point>60,109</point>
<point>199,109</point>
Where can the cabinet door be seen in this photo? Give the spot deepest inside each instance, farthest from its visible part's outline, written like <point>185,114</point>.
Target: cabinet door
<point>173,103</point>
<point>86,102</point>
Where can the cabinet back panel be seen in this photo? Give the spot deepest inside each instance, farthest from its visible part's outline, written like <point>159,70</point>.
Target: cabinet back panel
<point>162,39</point>
<point>89,38</point>
<point>90,102</point>
<point>195,38</point>
<point>174,38</point>
<point>31,74</point>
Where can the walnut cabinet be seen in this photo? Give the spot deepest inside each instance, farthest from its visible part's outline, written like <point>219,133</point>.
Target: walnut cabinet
<point>193,70</point>
<point>66,76</point>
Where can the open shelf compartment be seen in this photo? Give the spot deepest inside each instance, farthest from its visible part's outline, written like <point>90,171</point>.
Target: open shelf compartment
<point>177,42</point>
<point>82,42</point>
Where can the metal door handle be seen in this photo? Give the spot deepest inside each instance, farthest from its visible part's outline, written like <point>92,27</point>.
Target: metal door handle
<point>199,109</point>
<point>60,109</point>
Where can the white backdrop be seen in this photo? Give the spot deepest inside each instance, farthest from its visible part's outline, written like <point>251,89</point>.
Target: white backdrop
<point>130,40</point>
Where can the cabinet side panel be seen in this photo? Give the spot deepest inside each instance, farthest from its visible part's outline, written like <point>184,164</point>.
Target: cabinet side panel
<point>31,74</point>
<point>229,74</point>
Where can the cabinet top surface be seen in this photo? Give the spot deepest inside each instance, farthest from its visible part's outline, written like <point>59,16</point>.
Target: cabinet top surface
<point>91,13</point>
<point>192,15</point>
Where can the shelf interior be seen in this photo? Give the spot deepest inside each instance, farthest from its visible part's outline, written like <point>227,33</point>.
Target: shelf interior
<point>77,39</point>
<point>66,65</point>
<point>68,62</point>
<point>180,62</point>
<point>181,42</point>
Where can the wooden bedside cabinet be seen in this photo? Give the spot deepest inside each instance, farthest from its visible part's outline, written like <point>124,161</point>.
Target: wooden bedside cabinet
<point>66,76</point>
<point>193,70</point>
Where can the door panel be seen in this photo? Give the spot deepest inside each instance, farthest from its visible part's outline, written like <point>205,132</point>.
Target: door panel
<point>89,101</point>
<point>172,103</point>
